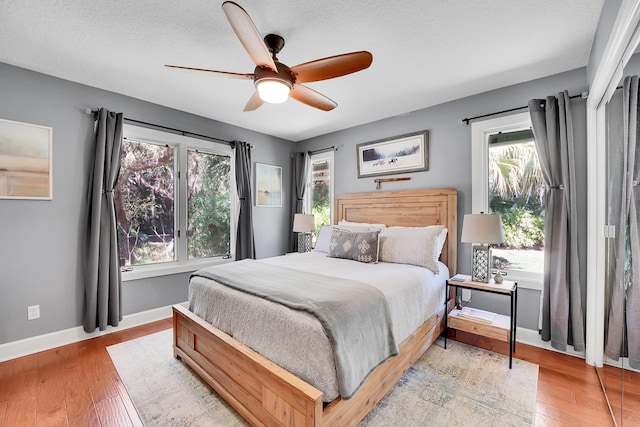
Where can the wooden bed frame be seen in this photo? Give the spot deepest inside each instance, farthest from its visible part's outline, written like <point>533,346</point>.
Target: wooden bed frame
<point>267,395</point>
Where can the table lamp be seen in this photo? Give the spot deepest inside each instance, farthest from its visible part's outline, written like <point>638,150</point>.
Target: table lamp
<point>304,224</point>
<point>485,230</point>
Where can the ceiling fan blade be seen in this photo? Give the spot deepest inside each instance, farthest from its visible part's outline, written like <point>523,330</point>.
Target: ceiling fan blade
<point>248,34</point>
<point>254,102</point>
<point>332,66</point>
<point>308,96</point>
<point>222,73</point>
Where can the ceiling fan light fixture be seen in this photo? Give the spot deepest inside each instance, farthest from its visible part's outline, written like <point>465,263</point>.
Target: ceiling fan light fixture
<point>272,90</point>
<point>275,81</point>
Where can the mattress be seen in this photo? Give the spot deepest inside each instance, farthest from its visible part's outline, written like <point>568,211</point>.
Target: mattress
<point>295,340</point>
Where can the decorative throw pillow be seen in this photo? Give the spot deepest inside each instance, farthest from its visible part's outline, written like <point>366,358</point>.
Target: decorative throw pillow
<point>359,246</point>
<point>412,245</point>
<point>365,246</point>
<point>324,236</point>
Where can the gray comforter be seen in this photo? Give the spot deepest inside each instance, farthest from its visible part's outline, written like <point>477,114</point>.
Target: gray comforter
<point>354,315</point>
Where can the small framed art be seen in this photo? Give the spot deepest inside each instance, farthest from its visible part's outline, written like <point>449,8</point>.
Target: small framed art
<point>25,161</point>
<point>268,185</point>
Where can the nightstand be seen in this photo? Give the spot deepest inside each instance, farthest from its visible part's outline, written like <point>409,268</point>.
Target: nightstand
<point>497,326</point>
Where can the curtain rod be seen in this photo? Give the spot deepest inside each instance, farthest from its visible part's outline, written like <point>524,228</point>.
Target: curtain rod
<point>179,131</point>
<point>466,121</point>
<point>322,150</point>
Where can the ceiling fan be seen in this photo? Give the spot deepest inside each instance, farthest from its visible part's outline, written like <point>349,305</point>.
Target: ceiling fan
<point>275,81</point>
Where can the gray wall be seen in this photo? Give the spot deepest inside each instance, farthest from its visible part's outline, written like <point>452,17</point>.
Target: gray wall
<point>450,158</point>
<point>40,241</point>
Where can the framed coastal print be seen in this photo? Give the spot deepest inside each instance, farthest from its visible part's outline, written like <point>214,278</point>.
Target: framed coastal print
<point>406,153</point>
<point>25,161</point>
<point>268,185</point>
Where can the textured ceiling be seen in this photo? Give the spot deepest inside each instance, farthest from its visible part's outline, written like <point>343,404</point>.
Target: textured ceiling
<point>425,52</point>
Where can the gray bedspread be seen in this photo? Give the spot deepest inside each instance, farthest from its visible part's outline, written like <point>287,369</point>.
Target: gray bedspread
<point>354,315</point>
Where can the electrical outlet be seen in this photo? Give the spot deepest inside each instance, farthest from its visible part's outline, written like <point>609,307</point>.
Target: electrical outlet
<point>33,312</point>
<point>466,295</point>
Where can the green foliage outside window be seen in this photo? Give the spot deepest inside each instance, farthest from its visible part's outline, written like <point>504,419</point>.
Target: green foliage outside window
<point>516,190</point>
<point>321,203</point>
<point>145,199</point>
<point>209,207</point>
<point>321,198</point>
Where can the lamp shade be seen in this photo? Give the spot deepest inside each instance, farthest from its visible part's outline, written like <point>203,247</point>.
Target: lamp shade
<point>303,223</point>
<point>482,228</point>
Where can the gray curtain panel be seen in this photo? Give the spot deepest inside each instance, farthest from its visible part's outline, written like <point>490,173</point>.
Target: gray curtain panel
<point>300,168</point>
<point>563,314</point>
<point>624,312</point>
<point>245,243</point>
<point>102,293</point>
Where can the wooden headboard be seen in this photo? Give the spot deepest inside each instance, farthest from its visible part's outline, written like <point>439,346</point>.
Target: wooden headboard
<point>409,208</point>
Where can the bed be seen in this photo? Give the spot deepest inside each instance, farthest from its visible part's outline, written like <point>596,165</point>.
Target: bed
<point>266,394</point>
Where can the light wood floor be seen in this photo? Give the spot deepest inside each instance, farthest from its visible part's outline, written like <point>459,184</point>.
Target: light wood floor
<point>77,385</point>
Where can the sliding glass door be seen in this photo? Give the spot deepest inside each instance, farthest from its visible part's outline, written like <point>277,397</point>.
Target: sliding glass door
<point>620,378</point>
<point>611,374</point>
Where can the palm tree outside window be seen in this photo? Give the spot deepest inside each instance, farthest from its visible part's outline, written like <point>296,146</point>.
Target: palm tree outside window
<point>515,191</point>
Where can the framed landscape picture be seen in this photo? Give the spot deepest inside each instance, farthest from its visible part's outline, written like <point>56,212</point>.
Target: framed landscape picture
<point>25,161</point>
<point>406,153</point>
<point>268,185</point>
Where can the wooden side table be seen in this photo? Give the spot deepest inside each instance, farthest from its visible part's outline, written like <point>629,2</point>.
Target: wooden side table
<point>502,328</point>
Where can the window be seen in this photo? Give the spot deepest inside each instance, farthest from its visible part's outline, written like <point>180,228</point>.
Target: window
<point>144,201</point>
<point>209,204</point>
<point>319,194</point>
<point>507,180</point>
<point>174,203</point>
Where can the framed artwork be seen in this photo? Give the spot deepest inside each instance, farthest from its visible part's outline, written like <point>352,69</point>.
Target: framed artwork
<point>268,185</point>
<point>25,161</point>
<point>406,153</point>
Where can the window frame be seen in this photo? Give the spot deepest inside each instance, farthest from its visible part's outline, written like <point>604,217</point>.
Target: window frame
<point>480,132</point>
<point>181,145</point>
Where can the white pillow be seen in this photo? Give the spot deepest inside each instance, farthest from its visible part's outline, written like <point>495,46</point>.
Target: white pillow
<point>324,235</point>
<point>442,237</point>
<point>412,245</point>
<point>372,227</point>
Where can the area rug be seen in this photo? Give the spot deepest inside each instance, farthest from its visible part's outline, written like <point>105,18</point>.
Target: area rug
<point>459,386</point>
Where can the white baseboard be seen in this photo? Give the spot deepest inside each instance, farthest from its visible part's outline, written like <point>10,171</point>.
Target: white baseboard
<point>533,338</point>
<point>621,363</point>
<point>39,343</point>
